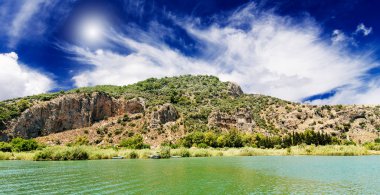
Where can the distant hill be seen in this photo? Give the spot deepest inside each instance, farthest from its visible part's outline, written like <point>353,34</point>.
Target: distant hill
<point>168,109</point>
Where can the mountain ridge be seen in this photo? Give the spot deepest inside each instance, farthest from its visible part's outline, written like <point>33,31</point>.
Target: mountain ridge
<point>170,108</point>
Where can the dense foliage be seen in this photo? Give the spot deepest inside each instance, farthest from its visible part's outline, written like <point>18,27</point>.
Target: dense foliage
<point>236,139</point>
<point>69,153</point>
<point>19,145</point>
<point>134,142</point>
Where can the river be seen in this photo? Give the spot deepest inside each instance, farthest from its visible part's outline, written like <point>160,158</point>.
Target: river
<point>213,175</point>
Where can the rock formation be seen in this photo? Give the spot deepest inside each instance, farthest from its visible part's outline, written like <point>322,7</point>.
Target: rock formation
<point>166,113</point>
<point>241,119</point>
<point>64,113</point>
<point>134,106</point>
<point>234,89</point>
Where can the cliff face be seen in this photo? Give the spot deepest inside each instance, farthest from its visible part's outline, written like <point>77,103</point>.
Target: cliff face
<point>241,119</point>
<point>65,113</point>
<point>169,108</point>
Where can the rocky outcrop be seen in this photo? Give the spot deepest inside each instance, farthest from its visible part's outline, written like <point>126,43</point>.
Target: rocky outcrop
<point>241,119</point>
<point>357,123</point>
<point>234,89</point>
<point>134,106</point>
<point>166,113</point>
<point>64,113</point>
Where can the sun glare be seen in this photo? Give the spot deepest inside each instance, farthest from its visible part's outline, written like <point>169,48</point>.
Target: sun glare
<point>91,31</point>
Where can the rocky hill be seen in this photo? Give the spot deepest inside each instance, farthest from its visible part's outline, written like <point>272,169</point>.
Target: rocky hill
<point>167,109</point>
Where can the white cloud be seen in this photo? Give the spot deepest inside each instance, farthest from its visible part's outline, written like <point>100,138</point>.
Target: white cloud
<point>26,18</point>
<point>362,94</point>
<point>338,36</point>
<point>17,80</point>
<point>361,28</point>
<point>27,10</point>
<point>272,55</point>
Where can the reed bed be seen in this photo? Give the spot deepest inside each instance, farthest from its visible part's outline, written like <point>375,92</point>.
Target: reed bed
<point>96,153</point>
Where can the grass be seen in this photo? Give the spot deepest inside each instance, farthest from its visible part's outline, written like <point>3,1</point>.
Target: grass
<point>96,153</point>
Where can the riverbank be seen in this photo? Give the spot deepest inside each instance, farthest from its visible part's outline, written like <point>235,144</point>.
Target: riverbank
<point>95,153</point>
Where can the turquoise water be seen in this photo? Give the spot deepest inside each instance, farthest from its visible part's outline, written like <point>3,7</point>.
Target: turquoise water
<point>217,175</point>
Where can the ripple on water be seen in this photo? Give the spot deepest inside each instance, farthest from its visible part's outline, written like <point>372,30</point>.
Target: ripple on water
<point>236,175</point>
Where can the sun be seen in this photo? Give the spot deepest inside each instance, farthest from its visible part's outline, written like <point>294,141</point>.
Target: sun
<point>91,31</point>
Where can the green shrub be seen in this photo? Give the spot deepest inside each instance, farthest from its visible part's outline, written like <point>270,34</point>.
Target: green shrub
<point>201,153</point>
<point>377,140</point>
<point>133,155</point>
<point>202,145</point>
<point>118,131</point>
<point>81,140</point>
<point>20,144</point>
<point>184,152</point>
<point>372,146</point>
<point>77,153</point>
<point>69,153</point>
<point>165,152</point>
<point>125,118</point>
<point>221,141</point>
<point>169,144</point>
<point>348,142</point>
<point>5,147</point>
<point>5,155</point>
<point>135,142</point>
<point>101,130</point>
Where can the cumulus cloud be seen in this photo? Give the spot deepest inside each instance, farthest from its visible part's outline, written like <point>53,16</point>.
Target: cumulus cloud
<point>264,53</point>
<point>17,80</point>
<point>361,28</point>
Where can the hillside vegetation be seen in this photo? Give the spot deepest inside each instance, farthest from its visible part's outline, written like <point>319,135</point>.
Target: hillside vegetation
<point>185,111</point>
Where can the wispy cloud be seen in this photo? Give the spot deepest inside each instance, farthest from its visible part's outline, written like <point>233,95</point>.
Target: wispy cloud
<point>361,28</point>
<point>26,18</point>
<point>338,37</point>
<point>17,80</point>
<point>264,53</point>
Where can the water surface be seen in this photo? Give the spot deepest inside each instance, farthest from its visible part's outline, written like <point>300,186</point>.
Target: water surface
<point>217,175</point>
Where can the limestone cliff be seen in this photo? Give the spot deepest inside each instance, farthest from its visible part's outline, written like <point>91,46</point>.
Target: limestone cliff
<point>65,113</point>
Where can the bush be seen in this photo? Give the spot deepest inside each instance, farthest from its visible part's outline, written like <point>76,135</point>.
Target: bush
<point>133,155</point>
<point>20,144</point>
<point>372,146</point>
<point>5,147</point>
<point>201,153</point>
<point>184,152</point>
<point>81,140</point>
<point>221,141</point>
<point>102,130</point>
<point>118,131</point>
<point>202,145</point>
<point>169,144</point>
<point>165,152</point>
<point>135,142</point>
<point>70,153</point>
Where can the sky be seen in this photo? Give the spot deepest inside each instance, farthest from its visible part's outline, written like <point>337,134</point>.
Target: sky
<point>316,52</point>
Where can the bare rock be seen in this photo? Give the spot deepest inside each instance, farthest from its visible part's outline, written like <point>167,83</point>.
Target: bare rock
<point>234,89</point>
<point>166,113</point>
<point>241,119</point>
<point>134,106</point>
<point>66,112</point>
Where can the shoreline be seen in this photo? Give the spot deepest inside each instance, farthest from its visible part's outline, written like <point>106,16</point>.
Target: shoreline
<point>61,153</point>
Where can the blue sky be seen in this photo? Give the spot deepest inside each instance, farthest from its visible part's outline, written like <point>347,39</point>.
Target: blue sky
<point>319,52</point>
